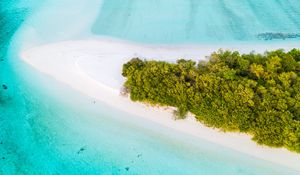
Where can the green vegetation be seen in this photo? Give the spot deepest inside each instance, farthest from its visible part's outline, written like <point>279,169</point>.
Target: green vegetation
<point>258,94</point>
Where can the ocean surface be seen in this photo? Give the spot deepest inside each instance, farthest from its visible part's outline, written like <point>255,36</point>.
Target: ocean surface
<point>200,21</point>
<point>48,129</point>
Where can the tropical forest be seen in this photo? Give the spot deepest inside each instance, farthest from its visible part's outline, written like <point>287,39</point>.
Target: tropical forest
<point>257,94</point>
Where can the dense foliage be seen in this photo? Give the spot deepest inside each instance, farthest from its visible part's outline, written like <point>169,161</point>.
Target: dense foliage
<point>258,94</point>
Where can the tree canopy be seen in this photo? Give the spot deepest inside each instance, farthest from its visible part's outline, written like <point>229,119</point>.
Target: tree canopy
<point>258,94</point>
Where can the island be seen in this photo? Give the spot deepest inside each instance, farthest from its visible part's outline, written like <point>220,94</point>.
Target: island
<point>257,94</point>
<point>94,69</point>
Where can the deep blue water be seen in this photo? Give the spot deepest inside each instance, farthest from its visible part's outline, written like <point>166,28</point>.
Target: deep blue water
<point>46,128</point>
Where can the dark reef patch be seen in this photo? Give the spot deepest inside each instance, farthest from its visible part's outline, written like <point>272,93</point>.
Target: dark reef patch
<point>272,36</point>
<point>81,150</point>
<point>4,87</point>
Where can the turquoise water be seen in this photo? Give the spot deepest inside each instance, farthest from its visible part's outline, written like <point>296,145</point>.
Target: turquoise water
<point>197,21</point>
<point>46,128</point>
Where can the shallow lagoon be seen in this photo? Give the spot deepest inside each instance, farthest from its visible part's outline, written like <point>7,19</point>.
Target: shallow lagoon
<point>46,128</point>
<point>197,21</point>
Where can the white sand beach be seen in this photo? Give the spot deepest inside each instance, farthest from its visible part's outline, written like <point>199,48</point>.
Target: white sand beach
<point>93,67</point>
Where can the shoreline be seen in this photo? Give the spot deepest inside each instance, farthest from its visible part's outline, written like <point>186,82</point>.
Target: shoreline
<point>93,67</point>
